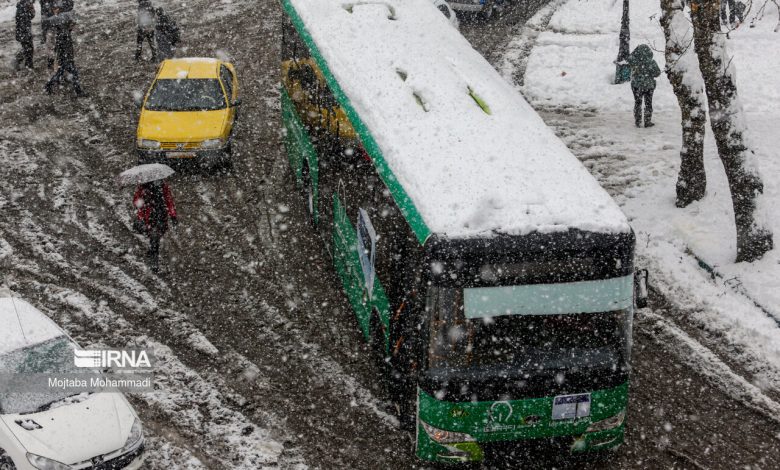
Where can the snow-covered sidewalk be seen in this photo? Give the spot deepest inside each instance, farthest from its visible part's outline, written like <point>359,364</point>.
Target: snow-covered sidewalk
<point>568,78</point>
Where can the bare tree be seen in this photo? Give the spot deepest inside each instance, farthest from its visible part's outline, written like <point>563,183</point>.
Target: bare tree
<point>682,70</point>
<point>762,9</point>
<point>727,119</point>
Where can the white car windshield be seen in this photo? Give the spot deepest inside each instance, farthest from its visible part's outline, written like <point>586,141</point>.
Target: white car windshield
<point>50,357</point>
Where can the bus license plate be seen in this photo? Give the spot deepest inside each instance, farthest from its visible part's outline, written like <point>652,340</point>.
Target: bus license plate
<point>181,155</point>
<point>571,406</point>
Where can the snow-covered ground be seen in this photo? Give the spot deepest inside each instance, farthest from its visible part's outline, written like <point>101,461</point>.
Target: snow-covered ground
<point>568,77</point>
<point>251,378</point>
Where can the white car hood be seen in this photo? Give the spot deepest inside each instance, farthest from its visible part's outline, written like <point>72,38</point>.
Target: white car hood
<point>75,433</point>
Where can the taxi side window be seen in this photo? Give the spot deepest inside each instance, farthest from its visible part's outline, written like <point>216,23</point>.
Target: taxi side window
<point>227,81</point>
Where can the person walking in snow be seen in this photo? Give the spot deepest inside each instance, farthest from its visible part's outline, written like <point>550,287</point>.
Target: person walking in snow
<point>154,203</point>
<point>166,32</point>
<point>47,31</point>
<point>47,11</point>
<point>644,71</point>
<point>145,31</point>
<point>25,12</point>
<point>64,50</point>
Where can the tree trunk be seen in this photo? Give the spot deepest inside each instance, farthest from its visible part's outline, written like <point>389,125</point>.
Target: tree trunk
<point>728,126</point>
<point>622,70</point>
<point>683,73</point>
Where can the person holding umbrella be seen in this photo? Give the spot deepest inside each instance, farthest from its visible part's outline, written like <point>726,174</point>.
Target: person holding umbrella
<point>64,50</point>
<point>153,201</point>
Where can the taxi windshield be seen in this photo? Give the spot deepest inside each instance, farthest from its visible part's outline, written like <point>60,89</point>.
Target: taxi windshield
<point>202,94</point>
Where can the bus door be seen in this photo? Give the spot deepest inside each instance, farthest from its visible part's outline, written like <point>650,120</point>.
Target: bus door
<point>354,272</point>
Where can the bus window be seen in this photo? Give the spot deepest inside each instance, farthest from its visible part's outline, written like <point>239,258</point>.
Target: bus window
<point>308,81</point>
<point>293,47</point>
<point>451,334</point>
<point>522,341</point>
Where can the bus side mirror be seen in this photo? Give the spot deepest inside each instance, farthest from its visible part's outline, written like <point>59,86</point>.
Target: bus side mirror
<point>640,288</point>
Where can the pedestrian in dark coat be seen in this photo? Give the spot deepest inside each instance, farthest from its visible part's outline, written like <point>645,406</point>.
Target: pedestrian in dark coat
<point>25,12</point>
<point>47,30</point>
<point>47,11</point>
<point>145,31</point>
<point>644,71</point>
<point>64,50</point>
<point>154,203</point>
<point>167,34</point>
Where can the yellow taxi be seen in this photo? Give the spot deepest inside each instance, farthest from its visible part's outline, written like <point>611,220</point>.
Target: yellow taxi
<point>189,111</point>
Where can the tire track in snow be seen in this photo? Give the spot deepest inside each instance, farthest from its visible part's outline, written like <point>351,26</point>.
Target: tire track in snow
<point>700,358</point>
<point>185,398</point>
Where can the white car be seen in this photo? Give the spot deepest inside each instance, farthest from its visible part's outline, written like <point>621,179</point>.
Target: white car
<point>55,429</point>
<point>448,12</point>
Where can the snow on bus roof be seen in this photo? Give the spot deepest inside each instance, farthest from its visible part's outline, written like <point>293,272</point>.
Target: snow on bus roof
<point>472,155</point>
<point>22,325</point>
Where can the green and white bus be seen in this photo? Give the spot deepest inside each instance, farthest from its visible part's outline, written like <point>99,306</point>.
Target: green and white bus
<point>485,265</point>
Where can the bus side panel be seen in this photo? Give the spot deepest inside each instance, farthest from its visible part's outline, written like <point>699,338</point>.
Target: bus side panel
<point>347,263</point>
<point>296,139</point>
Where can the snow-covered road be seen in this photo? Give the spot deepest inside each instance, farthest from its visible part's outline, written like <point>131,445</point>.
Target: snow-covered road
<point>264,366</point>
<point>723,315</point>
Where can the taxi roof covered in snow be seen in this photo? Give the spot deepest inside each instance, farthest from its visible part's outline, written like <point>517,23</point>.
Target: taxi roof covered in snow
<point>189,67</point>
<point>472,157</point>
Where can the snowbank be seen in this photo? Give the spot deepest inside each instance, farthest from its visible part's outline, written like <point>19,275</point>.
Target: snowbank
<point>639,167</point>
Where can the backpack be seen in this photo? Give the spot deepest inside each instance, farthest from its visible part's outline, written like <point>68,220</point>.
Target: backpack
<point>170,28</point>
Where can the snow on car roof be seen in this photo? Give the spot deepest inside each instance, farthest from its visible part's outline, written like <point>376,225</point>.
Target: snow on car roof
<point>470,153</point>
<point>22,325</point>
<point>189,67</point>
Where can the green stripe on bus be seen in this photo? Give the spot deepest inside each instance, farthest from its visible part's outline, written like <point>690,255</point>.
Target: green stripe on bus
<point>513,420</point>
<point>405,204</point>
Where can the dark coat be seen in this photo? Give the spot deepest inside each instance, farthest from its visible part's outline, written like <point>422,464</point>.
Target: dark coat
<point>63,40</point>
<point>644,68</point>
<point>167,34</point>
<point>145,15</point>
<point>25,12</point>
<point>47,8</point>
